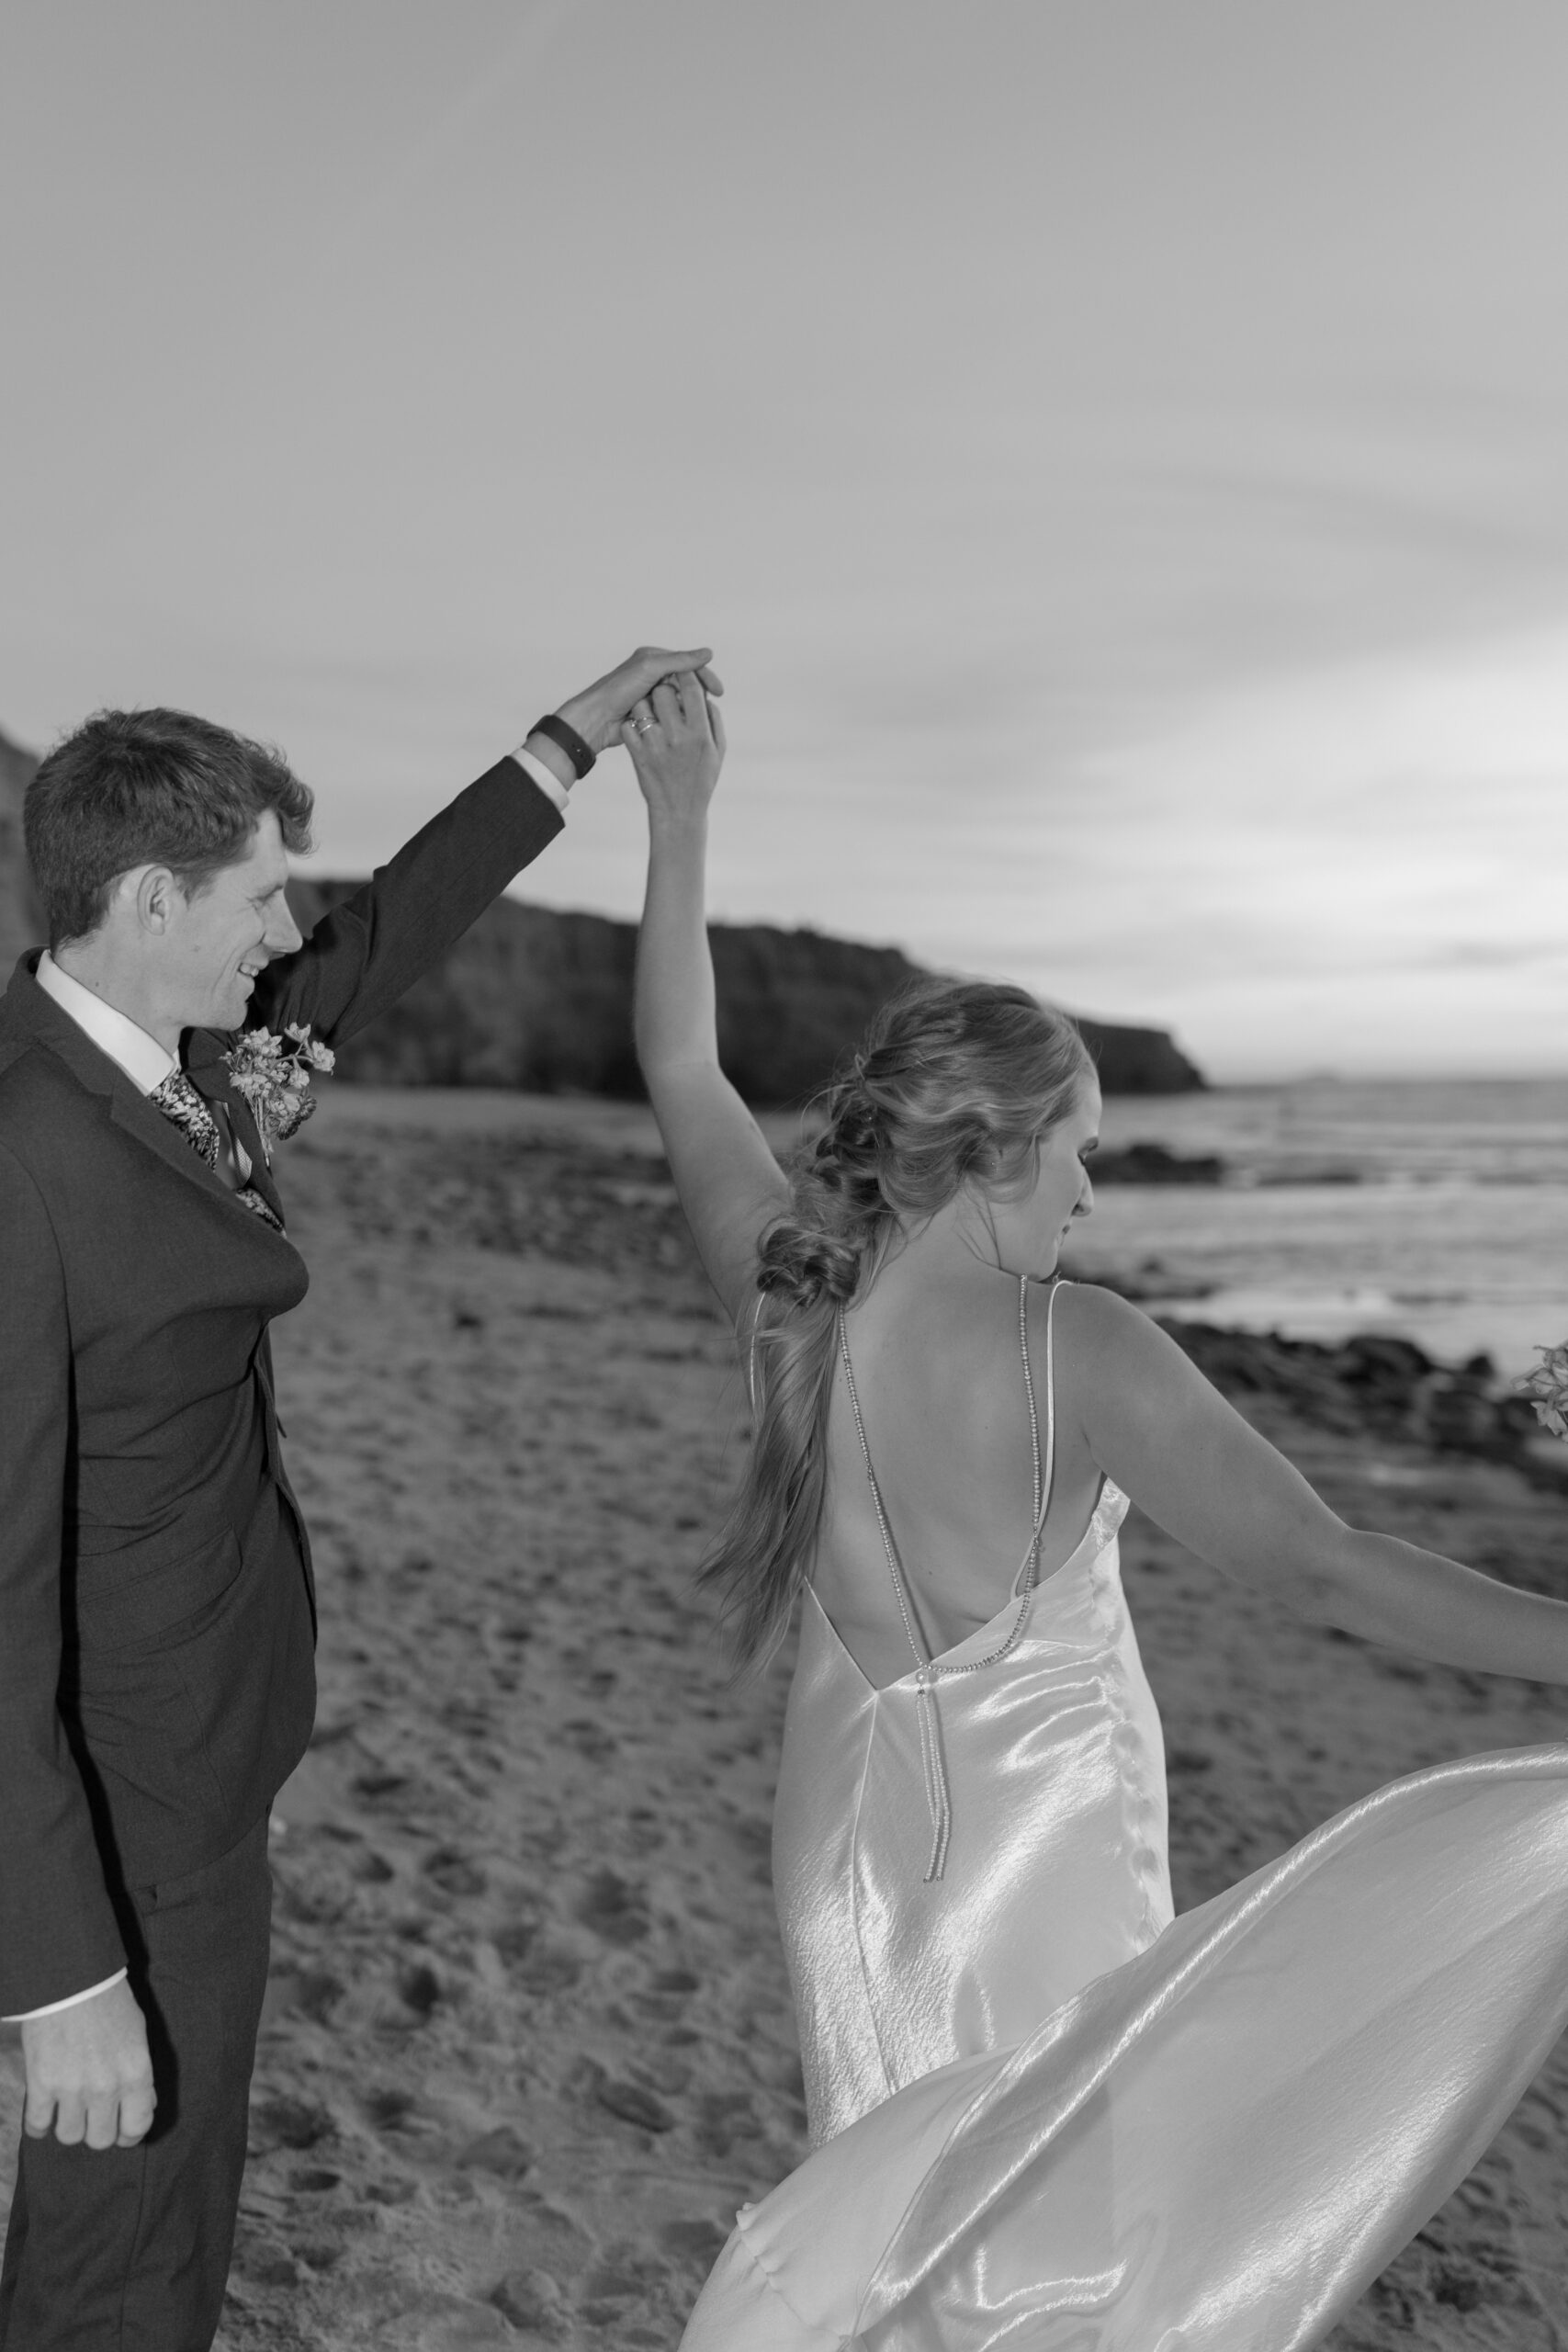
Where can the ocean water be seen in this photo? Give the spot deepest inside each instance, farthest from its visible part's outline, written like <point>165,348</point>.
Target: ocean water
<point>1437,1210</point>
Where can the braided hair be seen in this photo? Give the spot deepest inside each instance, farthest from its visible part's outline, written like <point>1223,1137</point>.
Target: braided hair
<point>957,1082</point>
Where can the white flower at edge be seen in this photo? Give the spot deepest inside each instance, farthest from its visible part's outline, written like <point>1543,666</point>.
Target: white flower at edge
<point>1547,1388</point>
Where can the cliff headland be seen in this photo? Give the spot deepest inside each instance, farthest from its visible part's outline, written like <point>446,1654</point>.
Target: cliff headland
<point>538,999</point>
<point>21,918</point>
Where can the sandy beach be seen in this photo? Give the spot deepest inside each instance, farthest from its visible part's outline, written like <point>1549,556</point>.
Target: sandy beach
<point>527,2041</point>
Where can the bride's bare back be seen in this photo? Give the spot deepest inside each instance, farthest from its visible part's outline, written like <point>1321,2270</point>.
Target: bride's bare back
<point>939,1372</point>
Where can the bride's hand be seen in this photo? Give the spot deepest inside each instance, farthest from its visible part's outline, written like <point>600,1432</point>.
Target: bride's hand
<point>676,738</point>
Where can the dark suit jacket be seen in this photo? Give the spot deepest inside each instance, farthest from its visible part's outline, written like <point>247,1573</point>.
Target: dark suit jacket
<point>156,1610</point>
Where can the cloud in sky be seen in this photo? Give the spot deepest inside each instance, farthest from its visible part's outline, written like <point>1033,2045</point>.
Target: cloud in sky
<point>1121,455</point>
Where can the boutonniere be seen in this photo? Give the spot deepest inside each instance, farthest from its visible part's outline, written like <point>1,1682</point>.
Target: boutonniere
<point>274,1075</point>
<point>1547,1388</point>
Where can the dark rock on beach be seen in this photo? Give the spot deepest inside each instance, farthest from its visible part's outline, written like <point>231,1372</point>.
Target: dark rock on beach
<point>1371,1384</point>
<point>1155,1163</point>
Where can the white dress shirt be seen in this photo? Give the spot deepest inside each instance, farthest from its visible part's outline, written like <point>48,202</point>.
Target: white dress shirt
<point>549,783</point>
<point>147,1064</point>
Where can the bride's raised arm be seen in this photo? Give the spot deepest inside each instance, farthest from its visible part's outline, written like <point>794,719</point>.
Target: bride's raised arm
<point>730,1185</point>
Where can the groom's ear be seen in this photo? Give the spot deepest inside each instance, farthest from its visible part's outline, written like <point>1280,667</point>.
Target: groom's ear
<point>151,893</point>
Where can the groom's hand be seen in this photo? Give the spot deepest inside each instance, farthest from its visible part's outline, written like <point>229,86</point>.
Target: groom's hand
<point>597,712</point>
<point>89,2076</point>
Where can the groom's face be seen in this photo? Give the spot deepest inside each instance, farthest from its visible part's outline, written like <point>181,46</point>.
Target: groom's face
<point>230,930</point>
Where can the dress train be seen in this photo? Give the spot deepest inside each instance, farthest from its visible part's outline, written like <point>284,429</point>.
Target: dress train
<point>1218,2146</point>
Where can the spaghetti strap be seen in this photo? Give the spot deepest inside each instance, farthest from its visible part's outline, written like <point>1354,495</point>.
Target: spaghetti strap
<point>1029,1572</point>
<point>751,1357</point>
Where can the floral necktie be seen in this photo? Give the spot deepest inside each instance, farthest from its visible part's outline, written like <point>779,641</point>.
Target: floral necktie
<point>179,1101</point>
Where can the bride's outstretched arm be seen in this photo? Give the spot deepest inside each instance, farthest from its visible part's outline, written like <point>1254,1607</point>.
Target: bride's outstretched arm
<point>728,1180</point>
<point>1170,1440</point>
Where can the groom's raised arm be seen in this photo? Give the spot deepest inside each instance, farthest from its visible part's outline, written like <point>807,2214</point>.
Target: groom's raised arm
<point>366,952</point>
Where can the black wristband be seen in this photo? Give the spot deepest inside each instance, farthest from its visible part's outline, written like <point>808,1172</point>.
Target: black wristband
<point>567,739</point>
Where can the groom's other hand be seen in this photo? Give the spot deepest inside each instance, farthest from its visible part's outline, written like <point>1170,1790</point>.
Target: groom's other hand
<point>596,713</point>
<point>89,2076</point>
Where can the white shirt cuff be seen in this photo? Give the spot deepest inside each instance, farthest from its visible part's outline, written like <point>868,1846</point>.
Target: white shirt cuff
<point>52,2008</point>
<point>549,783</point>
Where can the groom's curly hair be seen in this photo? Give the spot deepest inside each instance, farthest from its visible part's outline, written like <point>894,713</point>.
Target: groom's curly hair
<point>149,787</point>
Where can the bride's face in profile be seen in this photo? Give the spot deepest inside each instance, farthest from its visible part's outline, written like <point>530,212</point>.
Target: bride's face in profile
<point>1027,1230</point>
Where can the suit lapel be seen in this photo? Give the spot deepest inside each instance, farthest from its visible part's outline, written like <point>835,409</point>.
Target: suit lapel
<point>32,1015</point>
<point>33,1011</point>
<point>205,1056</point>
<point>242,1120</point>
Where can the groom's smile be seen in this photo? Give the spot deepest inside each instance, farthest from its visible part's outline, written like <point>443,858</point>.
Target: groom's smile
<point>228,932</point>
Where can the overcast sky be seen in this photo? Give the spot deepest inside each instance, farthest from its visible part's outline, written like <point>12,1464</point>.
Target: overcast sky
<point>1119,449</point>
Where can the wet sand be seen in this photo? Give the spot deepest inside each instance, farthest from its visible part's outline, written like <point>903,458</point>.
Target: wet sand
<point>527,2041</point>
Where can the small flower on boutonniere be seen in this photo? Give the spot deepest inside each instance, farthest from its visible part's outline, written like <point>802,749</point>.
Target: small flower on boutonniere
<point>273,1073</point>
<point>1547,1388</point>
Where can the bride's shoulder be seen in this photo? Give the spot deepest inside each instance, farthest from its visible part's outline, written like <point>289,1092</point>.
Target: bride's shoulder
<point>1099,1328</point>
<point>1088,1306</point>
<point>1114,1359</point>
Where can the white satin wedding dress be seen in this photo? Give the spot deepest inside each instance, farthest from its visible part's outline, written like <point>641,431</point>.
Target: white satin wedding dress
<point>1048,2116</point>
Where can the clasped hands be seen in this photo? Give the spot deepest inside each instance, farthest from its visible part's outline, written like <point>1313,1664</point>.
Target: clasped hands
<point>600,713</point>
<point>675,736</point>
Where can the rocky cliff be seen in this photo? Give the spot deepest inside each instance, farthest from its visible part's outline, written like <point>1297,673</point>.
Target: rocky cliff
<point>539,1000</point>
<point>535,999</point>
<point>21,921</point>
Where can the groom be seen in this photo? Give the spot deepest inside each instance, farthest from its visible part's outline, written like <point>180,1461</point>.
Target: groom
<point>157,1613</point>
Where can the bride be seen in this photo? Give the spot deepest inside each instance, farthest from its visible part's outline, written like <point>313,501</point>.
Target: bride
<point>1044,2112</point>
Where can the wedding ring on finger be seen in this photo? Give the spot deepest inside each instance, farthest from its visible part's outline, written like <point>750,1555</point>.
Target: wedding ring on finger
<point>643,726</point>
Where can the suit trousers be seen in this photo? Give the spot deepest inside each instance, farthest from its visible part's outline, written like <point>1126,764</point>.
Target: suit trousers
<point>127,2250</point>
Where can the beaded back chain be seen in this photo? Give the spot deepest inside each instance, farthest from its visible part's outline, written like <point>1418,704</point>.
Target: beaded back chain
<point>929,1671</point>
